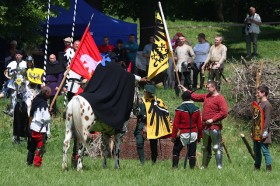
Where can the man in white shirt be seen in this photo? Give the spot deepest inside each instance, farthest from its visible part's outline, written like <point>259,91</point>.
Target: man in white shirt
<point>73,79</point>
<point>215,61</point>
<point>14,70</point>
<point>201,50</point>
<point>184,57</point>
<point>252,30</point>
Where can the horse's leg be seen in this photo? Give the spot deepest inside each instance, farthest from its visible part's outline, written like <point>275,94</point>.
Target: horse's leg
<point>118,141</point>
<point>80,155</point>
<point>74,157</point>
<point>104,149</point>
<point>66,144</point>
<point>118,138</point>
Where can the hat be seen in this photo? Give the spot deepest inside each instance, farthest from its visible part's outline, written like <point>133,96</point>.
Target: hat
<point>19,52</point>
<point>29,58</point>
<point>150,88</point>
<point>14,42</point>
<point>67,39</point>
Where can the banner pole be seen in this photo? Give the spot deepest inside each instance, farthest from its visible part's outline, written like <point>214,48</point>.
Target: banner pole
<point>169,42</point>
<point>59,88</point>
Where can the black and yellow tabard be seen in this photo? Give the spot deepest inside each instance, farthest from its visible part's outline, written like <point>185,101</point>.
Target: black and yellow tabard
<point>159,123</point>
<point>34,75</point>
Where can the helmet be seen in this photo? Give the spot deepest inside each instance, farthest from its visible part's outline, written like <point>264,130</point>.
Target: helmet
<point>29,58</point>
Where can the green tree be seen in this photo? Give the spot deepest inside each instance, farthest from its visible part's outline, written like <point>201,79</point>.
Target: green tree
<point>21,19</point>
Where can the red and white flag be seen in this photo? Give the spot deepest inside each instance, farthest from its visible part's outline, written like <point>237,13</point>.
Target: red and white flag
<point>87,56</point>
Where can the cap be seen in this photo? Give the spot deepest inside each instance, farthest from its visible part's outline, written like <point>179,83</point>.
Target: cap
<point>150,88</point>
<point>67,39</point>
<point>19,52</point>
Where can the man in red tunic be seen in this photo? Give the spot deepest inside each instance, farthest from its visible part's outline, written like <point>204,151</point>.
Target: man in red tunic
<point>214,111</point>
<point>105,47</point>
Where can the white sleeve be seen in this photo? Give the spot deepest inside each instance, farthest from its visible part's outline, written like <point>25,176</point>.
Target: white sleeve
<point>137,78</point>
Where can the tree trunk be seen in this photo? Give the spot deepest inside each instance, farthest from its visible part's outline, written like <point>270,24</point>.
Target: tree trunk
<point>219,10</point>
<point>147,21</point>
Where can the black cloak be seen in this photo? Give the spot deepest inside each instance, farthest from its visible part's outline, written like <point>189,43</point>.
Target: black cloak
<point>110,93</point>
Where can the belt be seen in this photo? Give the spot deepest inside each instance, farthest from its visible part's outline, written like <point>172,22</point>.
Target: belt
<point>215,123</point>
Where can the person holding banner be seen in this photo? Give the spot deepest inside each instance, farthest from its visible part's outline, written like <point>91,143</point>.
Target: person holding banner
<point>73,79</point>
<point>261,145</point>
<point>153,123</point>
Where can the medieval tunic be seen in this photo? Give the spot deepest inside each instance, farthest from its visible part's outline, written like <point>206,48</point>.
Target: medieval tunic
<point>54,72</point>
<point>40,126</point>
<point>214,107</point>
<point>217,55</point>
<point>183,53</point>
<point>267,108</point>
<point>20,122</point>
<point>182,121</point>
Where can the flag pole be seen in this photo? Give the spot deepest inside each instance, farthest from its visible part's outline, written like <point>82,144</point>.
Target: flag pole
<point>59,88</point>
<point>169,42</point>
<point>67,71</point>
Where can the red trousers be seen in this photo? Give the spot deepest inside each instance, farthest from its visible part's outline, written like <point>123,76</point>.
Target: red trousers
<point>39,140</point>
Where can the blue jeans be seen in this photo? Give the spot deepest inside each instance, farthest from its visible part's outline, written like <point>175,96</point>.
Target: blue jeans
<point>258,147</point>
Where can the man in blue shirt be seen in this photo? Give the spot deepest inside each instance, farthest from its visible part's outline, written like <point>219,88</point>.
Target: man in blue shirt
<point>132,47</point>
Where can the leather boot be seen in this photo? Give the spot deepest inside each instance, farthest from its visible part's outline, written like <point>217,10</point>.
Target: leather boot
<point>175,162</point>
<point>141,155</point>
<point>257,167</point>
<point>268,168</point>
<point>192,162</point>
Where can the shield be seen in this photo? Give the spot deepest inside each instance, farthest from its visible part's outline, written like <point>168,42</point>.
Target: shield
<point>258,121</point>
<point>35,75</point>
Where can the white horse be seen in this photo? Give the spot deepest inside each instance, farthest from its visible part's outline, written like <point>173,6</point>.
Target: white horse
<point>79,120</point>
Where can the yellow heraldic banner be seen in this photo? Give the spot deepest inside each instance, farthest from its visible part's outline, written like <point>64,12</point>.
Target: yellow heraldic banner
<point>159,123</point>
<point>34,75</point>
<point>160,50</point>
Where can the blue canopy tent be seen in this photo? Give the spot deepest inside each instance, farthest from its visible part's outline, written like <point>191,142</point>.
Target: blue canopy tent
<point>101,24</point>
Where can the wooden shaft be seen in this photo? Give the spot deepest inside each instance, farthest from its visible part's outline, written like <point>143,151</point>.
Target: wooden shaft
<point>247,145</point>
<point>227,152</point>
<point>168,40</point>
<point>59,88</point>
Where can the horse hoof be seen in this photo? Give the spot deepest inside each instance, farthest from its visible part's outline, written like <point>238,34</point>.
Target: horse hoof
<point>117,167</point>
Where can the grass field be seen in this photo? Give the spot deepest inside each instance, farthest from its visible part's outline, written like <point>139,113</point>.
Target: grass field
<point>14,171</point>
